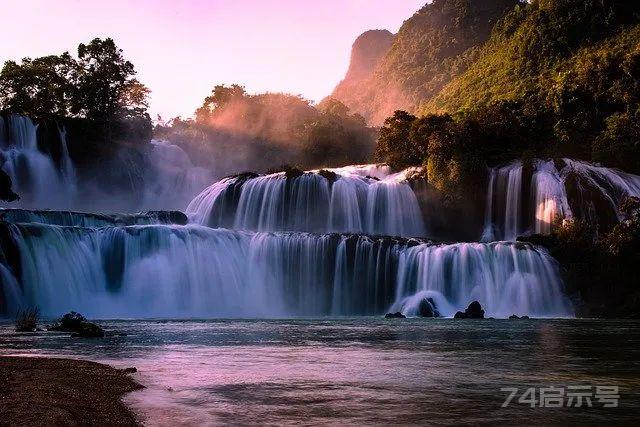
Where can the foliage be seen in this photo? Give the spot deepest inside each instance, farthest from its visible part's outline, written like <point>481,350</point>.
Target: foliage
<point>99,85</point>
<point>456,148</point>
<point>38,87</point>
<point>576,62</point>
<point>434,45</point>
<point>262,130</point>
<point>394,145</point>
<point>27,320</point>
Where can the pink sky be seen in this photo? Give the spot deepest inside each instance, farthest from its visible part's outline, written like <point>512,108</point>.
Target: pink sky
<point>181,49</point>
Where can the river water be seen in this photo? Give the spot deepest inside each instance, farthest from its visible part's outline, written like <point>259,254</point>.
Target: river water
<point>360,370</point>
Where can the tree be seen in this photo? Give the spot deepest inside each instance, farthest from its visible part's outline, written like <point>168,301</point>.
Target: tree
<point>39,87</point>
<point>106,84</point>
<point>394,145</point>
<point>221,96</point>
<point>100,85</point>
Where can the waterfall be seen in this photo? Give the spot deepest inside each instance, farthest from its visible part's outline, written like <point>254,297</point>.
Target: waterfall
<point>35,176</point>
<point>190,271</point>
<point>82,219</point>
<point>172,180</point>
<point>66,165</point>
<point>353,202</point>
<point>562,189</point>
<point>549,195</point>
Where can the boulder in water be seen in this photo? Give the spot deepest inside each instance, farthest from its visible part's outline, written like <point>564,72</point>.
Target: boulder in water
<point>78,325</point>
<point>396,315</point>
<point>427,308</point>
<point>70,322</point>
<point>474,311</point>
<point>514,317</point>
<point>88,330</point>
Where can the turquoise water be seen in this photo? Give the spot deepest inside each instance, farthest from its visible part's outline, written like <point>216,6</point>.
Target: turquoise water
<point>359,370</point>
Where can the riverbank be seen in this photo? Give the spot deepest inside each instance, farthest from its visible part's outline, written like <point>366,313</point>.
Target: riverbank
<point>50,391</point>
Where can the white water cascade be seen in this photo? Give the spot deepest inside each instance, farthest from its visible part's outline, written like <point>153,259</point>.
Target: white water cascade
<point>359,199</point>
<point>173,180</point>
<point>195,271</point>
<point>35,176</point>
<point>563,189</point>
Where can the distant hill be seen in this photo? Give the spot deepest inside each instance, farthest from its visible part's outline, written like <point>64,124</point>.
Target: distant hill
<point>437,43</point>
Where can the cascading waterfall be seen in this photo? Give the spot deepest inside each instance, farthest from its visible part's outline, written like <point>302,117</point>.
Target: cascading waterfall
<point>563,189</point>
<point>353,202</point>
<point>173,180</point>
<point>35,176</point>
<point>82,219</point>
<point>187,271</point>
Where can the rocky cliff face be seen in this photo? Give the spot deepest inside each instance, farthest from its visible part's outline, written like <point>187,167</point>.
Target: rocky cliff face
<point>368,49</point>
<point>434,45</point>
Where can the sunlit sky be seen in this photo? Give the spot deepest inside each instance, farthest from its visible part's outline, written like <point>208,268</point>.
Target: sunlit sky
<point>181,49</point>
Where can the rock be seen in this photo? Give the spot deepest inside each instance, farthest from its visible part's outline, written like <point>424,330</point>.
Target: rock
<point>70,322</point>
<point>131,370</point>
<point>6,192</point>
<point>396,315</point>
<point>524,317</point>
<point>328,175</point>
<point>428,308</point>
<point>88,330</point>
<point>474,311</point>
<point>513,316</point>
<point>78,325</point>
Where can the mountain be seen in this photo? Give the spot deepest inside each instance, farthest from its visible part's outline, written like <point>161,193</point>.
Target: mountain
<point>434,45</point>
<point>545,48</point>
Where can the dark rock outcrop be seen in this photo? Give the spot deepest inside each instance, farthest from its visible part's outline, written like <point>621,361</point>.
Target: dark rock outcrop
<point>78,325</point>
<point>427,308</point>
<point>328,175</point>
<point>396,315</point>
<point>6,193</point>
<point>474,311</point>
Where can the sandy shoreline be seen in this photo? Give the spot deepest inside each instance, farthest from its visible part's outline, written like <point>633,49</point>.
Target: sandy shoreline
<point>52,391</point>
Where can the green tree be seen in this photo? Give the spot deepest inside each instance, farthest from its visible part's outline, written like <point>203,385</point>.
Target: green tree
<point>106,83</point>
<point>394,146</point>
<point>39,87</point>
